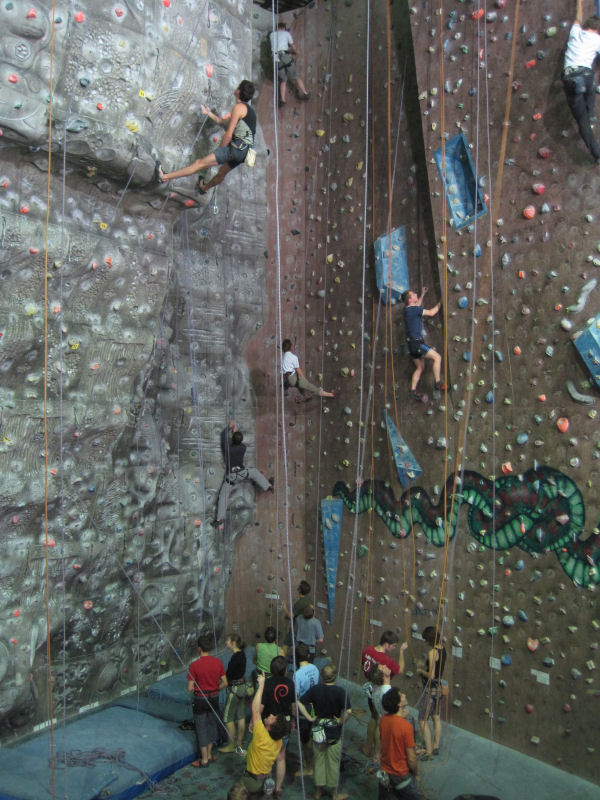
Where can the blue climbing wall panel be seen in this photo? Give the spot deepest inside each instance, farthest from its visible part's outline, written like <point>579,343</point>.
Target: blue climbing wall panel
<point>587,343</point>
<point>394,245</point>
<point>331,520</point>
<point>465,198</point>
<point>406,464</point>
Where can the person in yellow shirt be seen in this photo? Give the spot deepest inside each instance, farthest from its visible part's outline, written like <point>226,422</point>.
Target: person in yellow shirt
<point>266,742</point>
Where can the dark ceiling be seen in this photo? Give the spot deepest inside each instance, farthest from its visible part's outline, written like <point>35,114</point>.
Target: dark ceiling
<point>283,5</point>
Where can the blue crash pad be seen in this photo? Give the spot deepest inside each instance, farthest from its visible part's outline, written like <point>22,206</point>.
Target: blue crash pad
<point>587,343</point>
<point>331,519</point>
<point>407,466</point>
<point>136,747</point>
<point>390,253</point>
<point>463,195</point>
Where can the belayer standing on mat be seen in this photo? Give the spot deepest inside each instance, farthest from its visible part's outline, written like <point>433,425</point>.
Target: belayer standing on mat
<point>583,46</point>
<point>240,129</point>
<point>413,320</point>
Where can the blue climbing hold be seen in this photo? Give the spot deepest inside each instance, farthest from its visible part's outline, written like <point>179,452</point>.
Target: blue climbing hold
<point>506,660</point>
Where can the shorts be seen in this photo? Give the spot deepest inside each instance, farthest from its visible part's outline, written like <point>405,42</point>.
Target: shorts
<point>286,71</point>
<point>431,703</point>
<point>231,155</point>
<point>235,707</point>
<point>417,348</point>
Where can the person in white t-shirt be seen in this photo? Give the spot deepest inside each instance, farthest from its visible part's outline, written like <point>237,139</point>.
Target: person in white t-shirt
<point>284,50</point>
<point>290,369</point>
<point>578,76</point>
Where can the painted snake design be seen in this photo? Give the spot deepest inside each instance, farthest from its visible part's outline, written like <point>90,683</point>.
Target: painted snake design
<point>539,511</point>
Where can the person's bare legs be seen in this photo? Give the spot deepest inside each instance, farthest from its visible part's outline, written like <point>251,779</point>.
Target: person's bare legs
<point>280,770</point>
<point>191,169</point>
<point>416,376</point>
<point>230,746</point>
<point>241,730</point>
<point>437,731</point>
<point>300,87</point>
<point>224,170</point>
<point>436,358</point>
<point>282,91</point>
<point>426,733</point>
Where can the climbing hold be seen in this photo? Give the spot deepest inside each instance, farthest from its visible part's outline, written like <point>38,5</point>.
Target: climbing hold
<point>562,423</point>
<point>506,660</point>
<point>544,152</point>
<point>529,708</point>
<point>320,132</point>
<point>88,604</point>
<point>532,644</point>
<point>529,212</point>
<point>538,188</point>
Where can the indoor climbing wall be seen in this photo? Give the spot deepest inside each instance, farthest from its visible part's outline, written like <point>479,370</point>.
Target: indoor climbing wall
<point>507,456</point>
<point>124,314</point>
<point>521,281</point>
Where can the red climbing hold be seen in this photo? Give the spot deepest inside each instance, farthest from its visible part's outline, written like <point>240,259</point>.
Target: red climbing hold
<point>12,77</point>
<point>209,70</point>
<point>166,3</point>
<point>530,64</point>
<point>478,14</point>
<point>529,708</point>
<point>538,188</point>
<point>119,12</point>
<point>79,16</point>
<point>544,152</point>
<point>532,644</point>
<point>32,13</point>
<point>562,423</point>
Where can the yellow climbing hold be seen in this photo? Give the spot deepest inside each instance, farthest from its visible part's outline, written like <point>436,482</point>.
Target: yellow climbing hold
<point>348,117</point>
<point>320,132</point>
<point>132,125</point>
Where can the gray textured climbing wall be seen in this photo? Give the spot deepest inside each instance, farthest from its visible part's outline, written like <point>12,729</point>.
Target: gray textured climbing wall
<point>123,322</point>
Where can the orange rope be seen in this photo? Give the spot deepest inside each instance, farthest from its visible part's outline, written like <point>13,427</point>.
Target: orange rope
<point>45,413</point>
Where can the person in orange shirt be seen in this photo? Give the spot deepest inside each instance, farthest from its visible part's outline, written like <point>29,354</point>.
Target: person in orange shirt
<point>399,771</point>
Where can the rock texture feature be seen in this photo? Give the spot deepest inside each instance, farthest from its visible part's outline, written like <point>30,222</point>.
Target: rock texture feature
<point>124,311</point>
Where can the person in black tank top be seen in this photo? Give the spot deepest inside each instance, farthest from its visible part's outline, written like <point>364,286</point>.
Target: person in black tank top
<point>430,704</point>
<point>240,130</point>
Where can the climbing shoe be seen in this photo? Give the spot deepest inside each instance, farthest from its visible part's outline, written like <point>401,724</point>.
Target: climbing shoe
<point>441,387</point>
<point>416,395</point>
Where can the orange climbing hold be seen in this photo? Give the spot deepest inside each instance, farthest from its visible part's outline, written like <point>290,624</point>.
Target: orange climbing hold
<point>478,14</point>
<point>529,212</point>
<point>542,398</point>
<point>562,423</point>
<point>517,350</point>
<point>79,16</point>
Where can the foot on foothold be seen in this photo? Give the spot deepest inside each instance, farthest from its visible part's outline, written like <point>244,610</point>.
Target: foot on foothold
<point>304,96</point>
<point>240,750</point>
<point>425,757</point>
<point>272,482</point>
<point>436,751</point>
<point>441,387</point>
<point>418,396</point>
<point>217,523</point>
<point>281,103</point>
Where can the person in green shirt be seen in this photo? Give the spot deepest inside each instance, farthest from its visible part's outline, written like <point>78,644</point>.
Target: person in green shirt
<point>266,651</point>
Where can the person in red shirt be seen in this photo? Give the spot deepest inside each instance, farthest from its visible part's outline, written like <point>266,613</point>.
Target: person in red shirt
<point>399,771</point>
<point>206,678</point>
<point>380,654</point>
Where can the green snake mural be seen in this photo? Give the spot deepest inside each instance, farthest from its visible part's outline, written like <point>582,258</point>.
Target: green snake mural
<point>539,511</point>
